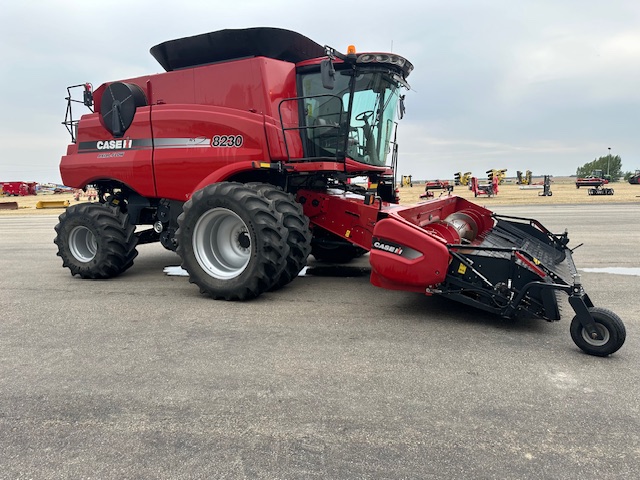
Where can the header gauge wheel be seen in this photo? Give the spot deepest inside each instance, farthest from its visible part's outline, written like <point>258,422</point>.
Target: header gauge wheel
<point>610,328</point>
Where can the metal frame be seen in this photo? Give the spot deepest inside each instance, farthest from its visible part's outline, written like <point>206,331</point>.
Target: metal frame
<point>69,122</point>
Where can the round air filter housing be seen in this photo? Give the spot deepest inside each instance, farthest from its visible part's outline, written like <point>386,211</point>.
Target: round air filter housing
<point>118,106</point>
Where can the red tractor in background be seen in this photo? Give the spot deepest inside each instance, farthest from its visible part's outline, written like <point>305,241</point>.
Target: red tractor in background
<point>238,158</point>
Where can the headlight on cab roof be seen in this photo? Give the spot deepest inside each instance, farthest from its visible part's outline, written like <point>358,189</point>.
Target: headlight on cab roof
<point>388,58</point>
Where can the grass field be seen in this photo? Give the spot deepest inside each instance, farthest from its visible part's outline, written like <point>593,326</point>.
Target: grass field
<point>563,189</point>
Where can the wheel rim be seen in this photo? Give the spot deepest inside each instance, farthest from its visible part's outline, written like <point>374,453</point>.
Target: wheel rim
<point>82,243</point>
<point>596,343</point>
<point>222,244</point>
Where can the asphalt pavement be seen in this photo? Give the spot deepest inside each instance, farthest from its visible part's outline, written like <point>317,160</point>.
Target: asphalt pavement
<point>142,377</point>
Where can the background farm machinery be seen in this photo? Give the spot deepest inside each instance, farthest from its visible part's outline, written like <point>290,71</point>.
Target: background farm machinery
<point>546,186</point>
<point>488,189</point>
<point>18,189</point>
<point>524,179</point>
<point>494,177</point>
<point>406,181</point>
<point>500,174</point>
<point>462,179</point>
<point>596,181</point>
<point>600,190</point>
<point>431,185</point>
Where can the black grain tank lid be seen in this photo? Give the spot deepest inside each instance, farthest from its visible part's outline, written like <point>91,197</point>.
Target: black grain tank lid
<point>234,44</point>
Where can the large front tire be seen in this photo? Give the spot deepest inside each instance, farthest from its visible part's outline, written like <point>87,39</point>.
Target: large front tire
<point>95,241</point>
<point>232,241</point>
<point>609,326</point>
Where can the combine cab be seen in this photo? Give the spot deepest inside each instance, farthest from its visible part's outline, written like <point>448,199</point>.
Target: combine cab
<point>239,158</point>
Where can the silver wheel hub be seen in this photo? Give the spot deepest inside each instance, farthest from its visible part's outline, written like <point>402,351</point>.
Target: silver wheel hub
<point>222,244</point>
<point>83,244</point>
<point>604,333</point>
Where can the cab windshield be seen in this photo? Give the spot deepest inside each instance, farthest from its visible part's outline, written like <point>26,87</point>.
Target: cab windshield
<point>364,134</point>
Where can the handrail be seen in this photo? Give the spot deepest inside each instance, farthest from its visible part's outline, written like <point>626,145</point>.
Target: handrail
<point>340,156</point>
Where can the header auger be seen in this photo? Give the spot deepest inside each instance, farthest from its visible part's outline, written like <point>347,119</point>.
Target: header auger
<point>239,157</point>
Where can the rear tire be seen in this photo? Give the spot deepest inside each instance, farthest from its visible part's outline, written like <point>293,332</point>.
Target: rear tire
<point>232,241</point>
<point>609,325</point>
<point>95,241</point>
<point>297,224</point>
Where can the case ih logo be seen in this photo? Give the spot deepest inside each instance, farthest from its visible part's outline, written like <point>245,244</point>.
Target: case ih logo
<point>113,144</point>
<point>387,247</point>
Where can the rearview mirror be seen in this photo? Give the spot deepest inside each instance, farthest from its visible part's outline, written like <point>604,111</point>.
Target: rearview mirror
<point>328,74</point>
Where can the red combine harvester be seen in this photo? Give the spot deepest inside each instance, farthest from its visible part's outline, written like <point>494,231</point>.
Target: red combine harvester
<point>238,158</point>
<point>19,189</point>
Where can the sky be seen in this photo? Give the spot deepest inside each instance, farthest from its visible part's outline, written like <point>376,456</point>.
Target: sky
<point>540,85</point>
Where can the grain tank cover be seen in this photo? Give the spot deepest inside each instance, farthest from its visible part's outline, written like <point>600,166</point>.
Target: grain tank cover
<point>234,44</point>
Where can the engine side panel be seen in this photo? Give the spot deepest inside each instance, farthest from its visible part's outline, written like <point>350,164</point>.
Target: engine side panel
<point>97,155</point>
<point>193,141</point>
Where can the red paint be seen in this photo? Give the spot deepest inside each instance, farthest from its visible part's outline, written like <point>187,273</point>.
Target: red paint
<point>423,227</point>
<point>19,189</point>
<point>231,98</point>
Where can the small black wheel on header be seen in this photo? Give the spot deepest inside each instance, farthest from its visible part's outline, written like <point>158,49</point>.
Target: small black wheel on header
<point>609,326</point>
